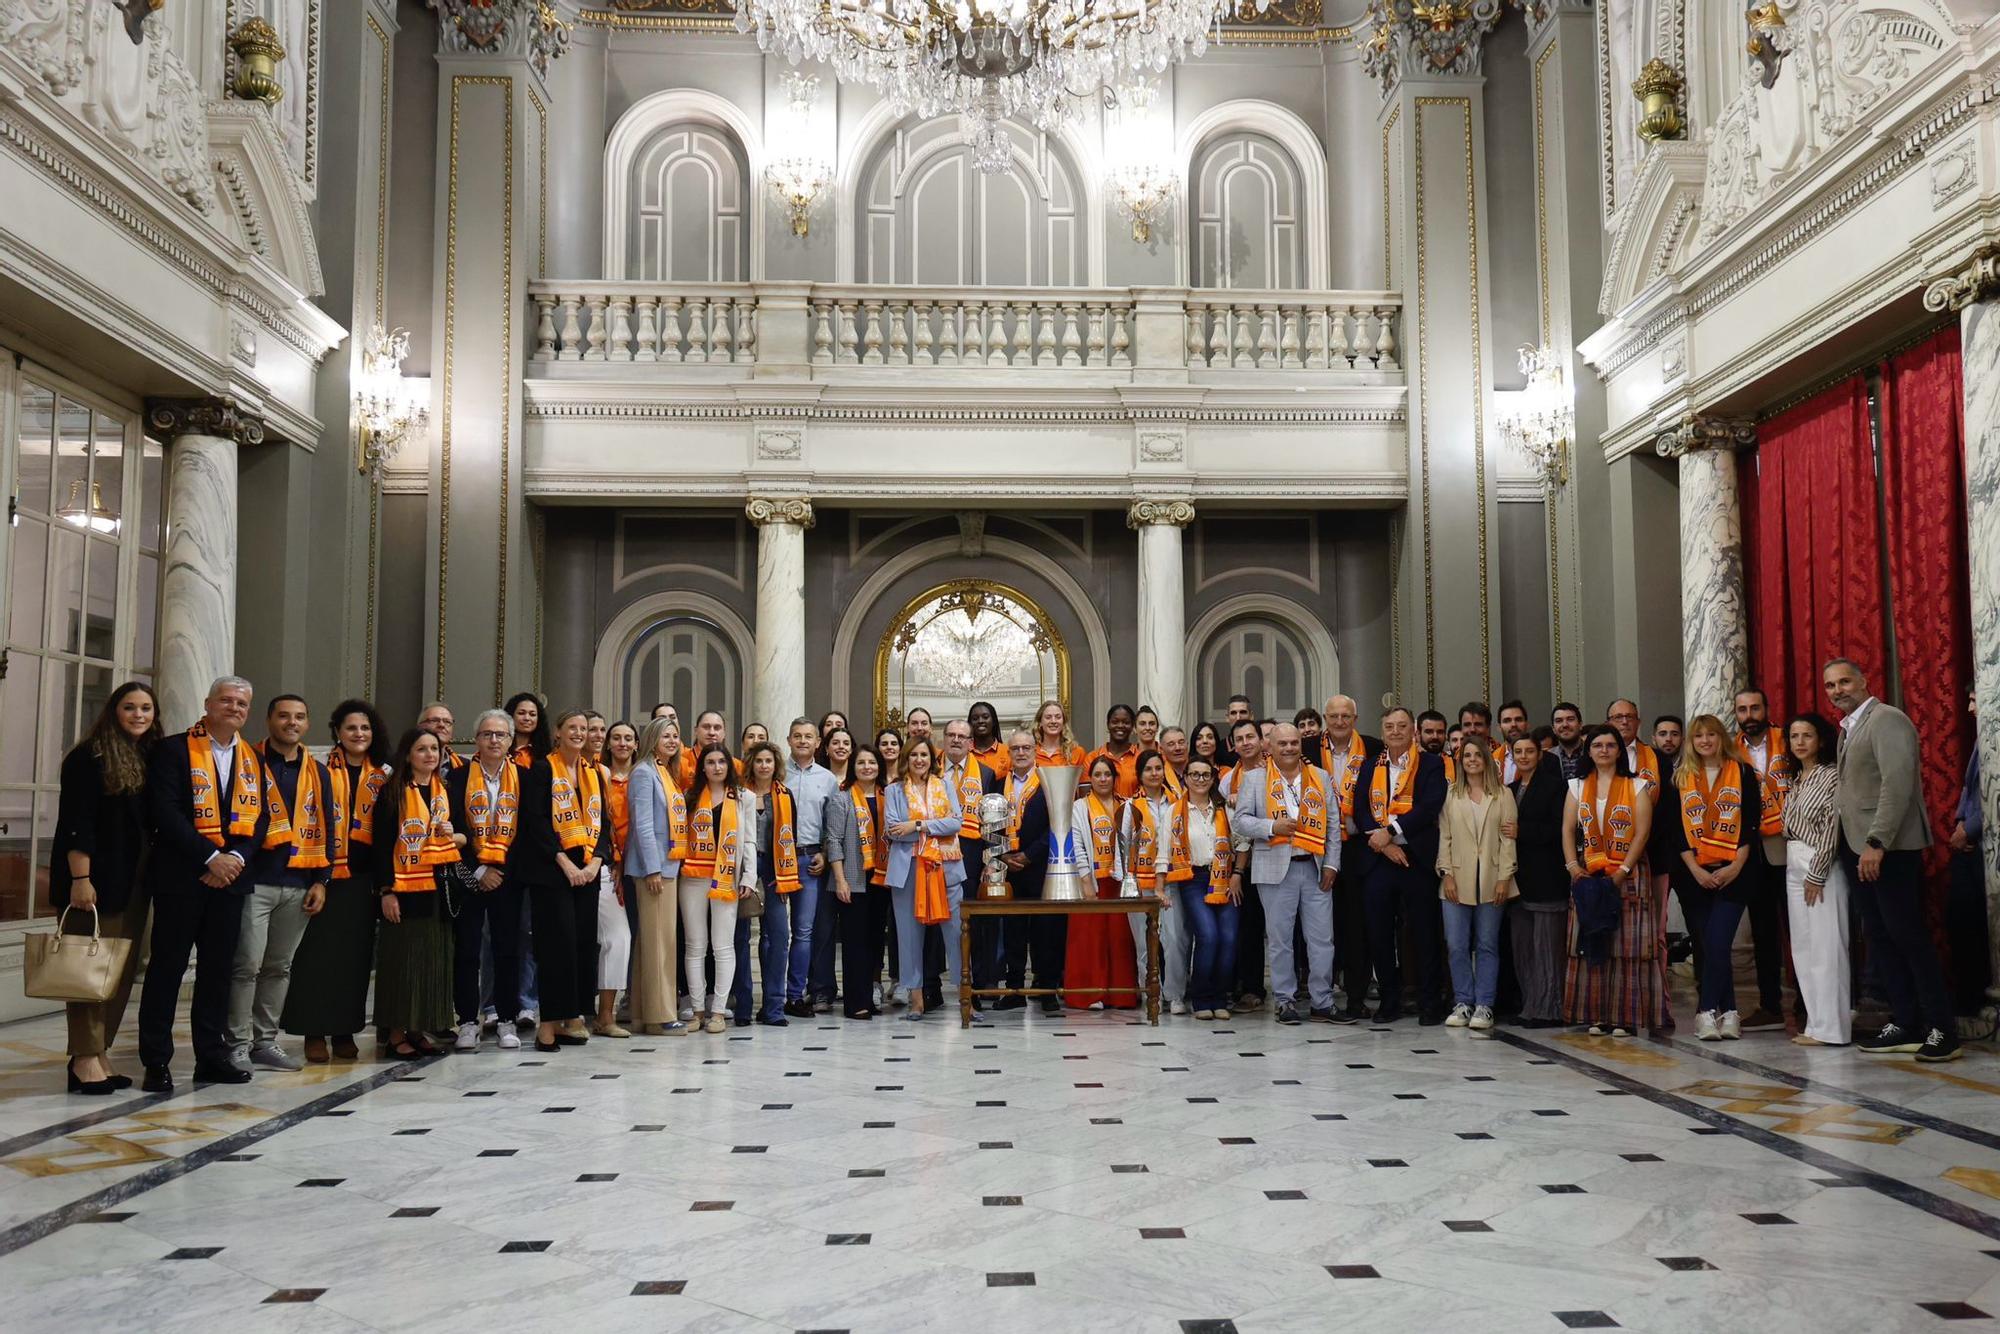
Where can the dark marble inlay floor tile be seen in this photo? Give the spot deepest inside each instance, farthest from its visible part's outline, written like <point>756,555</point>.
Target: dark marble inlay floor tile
<point>597,1176</point>
<point>556,1111</point>
<point>1329,1116</point>
<point>1550,1111</point>
<point>111,1217</point>
<point>1562,1190</point>
<point>1684,1264</point>
<point>480,1093</point>
<point>1236,1139</point>
<point>670,1287</point>
<point>193,1253</point>
<point>878,1125</point>
<point>1173,1069</point>
<point>1473,1135</point>
<point>1359,1065</point>
<point>1708,1130</point>
<point>1585,1320</point>
<point>1090,1086</point>
<point>525,1247</point>
<point>321,1182</point>
<point>415,1211</point>
<point>283,1295</point>
<point>996,1144</point>
<point>1768,1220</point>
<point>1387,1162</point>
<point>415,1130</point>
<point>1642,1157</point>
<point>1201,1099</point>
<point>1283,1083</point>
<point>1467,1225</point>
<point>1834,1181</point>
<point>1000,1201</point>
<point>990,1102</point>
<point>866,1172</point>
<point>1129,1167</point>
<point>604,1076</point>
<point>1409,1097</point>
<point>1954,1310</point>
<point>498,1153</point>
<point>888,1088</point>
<point>711,1206</point>
<point>986,1072</point>
<point>750,1148</point>
<point>1352,1271</point>
<point>775,1107</point>
<point>1284,1195</point>
<point>344,1111</point>
<point>1210,1326</point>
<point>695,1089</point>
<point>1107,1121</point>
<point>848,1238</point>
<point>649,1127</point>
<point>1479,1079</point>
<point>1012,1279</point>
<point>239,1157</point>
<point>1162,1234</point>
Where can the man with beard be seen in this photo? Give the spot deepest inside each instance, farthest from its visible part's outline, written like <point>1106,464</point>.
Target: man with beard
<point>1246,739</point>
<point>1567,722</point>
<point>1433,732</point>
<point>1669,731</point>
<point>1513,726</point>
<point>1757,746</point>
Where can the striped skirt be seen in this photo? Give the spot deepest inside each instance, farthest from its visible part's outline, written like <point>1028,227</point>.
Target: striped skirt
<point>1629,989</point>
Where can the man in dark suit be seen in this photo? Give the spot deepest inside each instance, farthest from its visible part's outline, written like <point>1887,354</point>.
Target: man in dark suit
<point>206,793</point>
<point>1398,864</point>
<point>1883,834</point>
<point>1027,865</point>
<point>1345,750</point>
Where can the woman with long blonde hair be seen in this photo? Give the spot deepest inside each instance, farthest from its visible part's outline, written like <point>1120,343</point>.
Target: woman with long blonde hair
<point>1054,742</point>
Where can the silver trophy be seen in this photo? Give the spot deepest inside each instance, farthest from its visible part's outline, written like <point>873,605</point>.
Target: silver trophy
<point>996,814</point>
<point>1071,877</point>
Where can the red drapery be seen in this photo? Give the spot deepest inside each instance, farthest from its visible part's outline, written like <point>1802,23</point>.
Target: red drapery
<point>1923,494</point>
<point>1813,546</point>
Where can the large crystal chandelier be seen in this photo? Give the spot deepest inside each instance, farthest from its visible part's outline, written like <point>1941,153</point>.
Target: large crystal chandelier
<point>989,59</point>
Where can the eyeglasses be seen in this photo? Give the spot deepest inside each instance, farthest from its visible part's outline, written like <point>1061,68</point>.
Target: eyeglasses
<point>494,736</point>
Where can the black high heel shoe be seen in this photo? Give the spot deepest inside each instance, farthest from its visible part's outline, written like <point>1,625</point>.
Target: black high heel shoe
<point>547,1046</point>
<point>92,1088</point>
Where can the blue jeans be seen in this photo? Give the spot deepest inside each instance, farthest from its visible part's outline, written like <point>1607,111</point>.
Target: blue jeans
<point>1214,928</point>
<point>805,911</point>
<point>773,955</point>
<point>820,984</point>
<point>1721,917</point>
<point>1472,945</point>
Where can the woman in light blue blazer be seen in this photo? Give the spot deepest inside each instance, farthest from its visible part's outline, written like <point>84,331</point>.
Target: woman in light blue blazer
<point>919,762</point>
<point>653,869</point>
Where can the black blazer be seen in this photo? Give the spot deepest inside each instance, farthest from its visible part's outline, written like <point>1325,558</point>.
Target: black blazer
<point>1419,826</point>
<point>1027,881</point>
<point>1668,839</point>
<point>1539,803</point>
<point>179,853</point>
<point>531,858</point>
<point>110,830</point>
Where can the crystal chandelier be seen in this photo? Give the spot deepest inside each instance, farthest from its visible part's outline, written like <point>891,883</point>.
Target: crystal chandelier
<point>388,405</point>
<point>1543,417</point>
<point>988,59</point>
<point>1142,190</point>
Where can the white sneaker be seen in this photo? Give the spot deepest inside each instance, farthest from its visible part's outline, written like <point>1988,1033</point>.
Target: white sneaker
<point>1482,1017</point>
<point>488,1021</point>
<point>468,1038</point>
<point>1460,1016</point>
<point>1704,1027</point>
<point>527,1019</point>
<point>509,1040</point>
<point>273,1057</point>
<point>1731,1025</point>
<point>686,1013</point>
<point>1178,1007</point>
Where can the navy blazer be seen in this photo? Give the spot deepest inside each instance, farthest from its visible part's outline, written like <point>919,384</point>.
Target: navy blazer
<point>179,853</point>
<point>1027,882</point>
<point>1419,826</point>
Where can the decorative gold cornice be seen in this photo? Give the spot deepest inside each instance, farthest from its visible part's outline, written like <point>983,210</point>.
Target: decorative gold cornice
<point>1148,513</point>
<point>1977,279</point>
<point>221,417</point>
<point>794,510</point>
<point>1696,433</point>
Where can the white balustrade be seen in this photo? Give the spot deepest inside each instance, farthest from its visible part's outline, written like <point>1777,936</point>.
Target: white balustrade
<point>1045,329</point>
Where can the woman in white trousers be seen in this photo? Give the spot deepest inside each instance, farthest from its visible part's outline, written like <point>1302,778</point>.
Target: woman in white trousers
<point>1816,888</point>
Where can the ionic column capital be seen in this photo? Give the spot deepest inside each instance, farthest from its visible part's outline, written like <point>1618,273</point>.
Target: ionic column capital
<point>1147,513</point>
<point>1695,433</point>
<point>221,417</point>
<point>1978,279</point>
<point>794,510</point>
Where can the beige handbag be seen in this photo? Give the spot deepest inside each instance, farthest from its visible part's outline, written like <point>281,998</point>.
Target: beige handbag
<point>73,968</point>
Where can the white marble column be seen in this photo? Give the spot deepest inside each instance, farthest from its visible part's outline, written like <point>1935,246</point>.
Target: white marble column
<point>1162,606</point>
<point>1715,621</point>
<point>780,688</point>
<point>1974,291</point>
<point>197,619</point>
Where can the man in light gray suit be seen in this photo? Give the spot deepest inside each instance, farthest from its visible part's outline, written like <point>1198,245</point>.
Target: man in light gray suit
<point>1883,834</point>
<point>1294,882</point>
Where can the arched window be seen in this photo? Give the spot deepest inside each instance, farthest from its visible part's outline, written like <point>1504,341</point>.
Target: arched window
<point>687,661</point>
<point>927,215</point>
<point>689,192</point>
<point>1260,658</point>
<point>1248,203</point>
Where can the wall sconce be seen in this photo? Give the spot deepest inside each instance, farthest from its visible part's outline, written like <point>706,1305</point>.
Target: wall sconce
<point>1543,417</point>
<point>257,50</point>
<point>1142,190</point>
<point>388,405</point>
<point>799,183</point>
<point>1658,89</point>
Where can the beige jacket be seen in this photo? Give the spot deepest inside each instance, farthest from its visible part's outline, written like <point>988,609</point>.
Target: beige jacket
<point>1471,849</point>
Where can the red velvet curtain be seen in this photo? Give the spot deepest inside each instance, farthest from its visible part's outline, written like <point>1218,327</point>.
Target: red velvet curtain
<point>1923,493</point>
<point>1813,546</point>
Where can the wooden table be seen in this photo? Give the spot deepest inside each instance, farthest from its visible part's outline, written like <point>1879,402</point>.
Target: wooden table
<point>973,908</point>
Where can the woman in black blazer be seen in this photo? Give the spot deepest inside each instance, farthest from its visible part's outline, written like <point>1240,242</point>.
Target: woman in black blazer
<point>1538,918</point>
<point>558,867</point>
<point>98,851</point>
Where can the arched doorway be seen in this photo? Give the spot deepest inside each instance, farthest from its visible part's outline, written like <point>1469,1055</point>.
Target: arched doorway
<point>967,640</point>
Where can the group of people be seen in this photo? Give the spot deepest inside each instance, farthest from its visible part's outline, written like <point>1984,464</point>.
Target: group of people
<point>569,860</point>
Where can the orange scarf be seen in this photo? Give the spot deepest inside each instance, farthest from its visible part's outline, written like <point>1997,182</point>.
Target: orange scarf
<point>1712,815</point>
<point>351,817</point>
<point>576,804</point>
<point>308,836</point>
<point>618,797</point>
<point>1146,845</point>
<point>1218,869</point>
<point>1647,770</point>
<point>1385,806</point>
<point>874,843</point>
<point>1310,836</point>
<point>1608,847</point>
<point>971,787</point>
<point>721,845</point>
<point>1103,825</point>
<point>1019,791</point>
<point>1357,755</point>
<point>1777,786</point>
<point>245,797</point>
<point>419,845</point>
<point>933,892</point>
<point>493,819</point>
<point>784,838</point>
<point>677,815</point>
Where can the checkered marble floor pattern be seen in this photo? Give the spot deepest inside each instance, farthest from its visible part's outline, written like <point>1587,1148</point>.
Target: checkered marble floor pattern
<point>1077,1174</point>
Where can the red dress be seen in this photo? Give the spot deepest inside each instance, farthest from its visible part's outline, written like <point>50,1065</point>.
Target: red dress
<point>1099,952</point>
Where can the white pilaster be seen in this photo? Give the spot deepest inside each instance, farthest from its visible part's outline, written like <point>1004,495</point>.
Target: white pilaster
<point>1715,621</point>
<point>198,587</point>
<point>780,687</point>
<point>1162,606</point>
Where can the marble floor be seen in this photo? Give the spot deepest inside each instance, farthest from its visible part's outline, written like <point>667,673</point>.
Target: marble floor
<point>1075,1174</point>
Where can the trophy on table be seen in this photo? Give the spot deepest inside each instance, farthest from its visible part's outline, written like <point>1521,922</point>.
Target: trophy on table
<point>996,816</point>
<point>1070,877</point>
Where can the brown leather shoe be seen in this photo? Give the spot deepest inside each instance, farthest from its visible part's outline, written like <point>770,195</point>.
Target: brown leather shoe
<point>316,1051</point>
<point>344,1048</point>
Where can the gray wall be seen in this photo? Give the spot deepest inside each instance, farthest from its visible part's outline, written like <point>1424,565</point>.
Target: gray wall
<point>1526,661</point>
<point>1511,224</point>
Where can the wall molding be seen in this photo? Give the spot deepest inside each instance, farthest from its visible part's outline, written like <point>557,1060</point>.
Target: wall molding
<point>629,623</point>
<point>1311,631</point>
<point>1307,153</point>
<point>657,111</point>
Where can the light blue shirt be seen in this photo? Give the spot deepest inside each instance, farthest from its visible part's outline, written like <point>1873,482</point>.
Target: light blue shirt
<point>810,787</point>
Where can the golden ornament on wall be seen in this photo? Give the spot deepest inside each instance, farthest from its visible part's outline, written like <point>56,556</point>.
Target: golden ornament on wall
<point>257,50</point>
<point>1658,89</point>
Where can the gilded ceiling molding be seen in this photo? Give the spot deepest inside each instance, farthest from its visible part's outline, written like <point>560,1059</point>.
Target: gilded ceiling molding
<point>1696,432</point>
<point>1424,39</point>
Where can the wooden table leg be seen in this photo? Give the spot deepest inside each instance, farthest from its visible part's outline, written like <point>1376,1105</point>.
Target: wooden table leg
<point>964,967</point>
<point>1153,965</point>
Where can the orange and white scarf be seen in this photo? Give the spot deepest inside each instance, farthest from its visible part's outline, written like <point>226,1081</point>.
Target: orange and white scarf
<point>1385,805</point>
<point>351,815</point>
<point>576,803</point>
<point>971,786</point>
<point>244,799</point>
<point>419,844</point>
<point>1608,842</point>
<point>1218,869</point>
<point>1357,755</point>
<point>308,835</point>
<point>1019,792</point>
<point>493,818</point>
<point>1712,813</point>
<point>722,839</point>
<point>874,842</point>
<point>1103,834</point>
<point>1310,835</point>
<point>676,832</point>
<point>931,801</point>
<point>784,839</point>
<point>1146,844</point>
